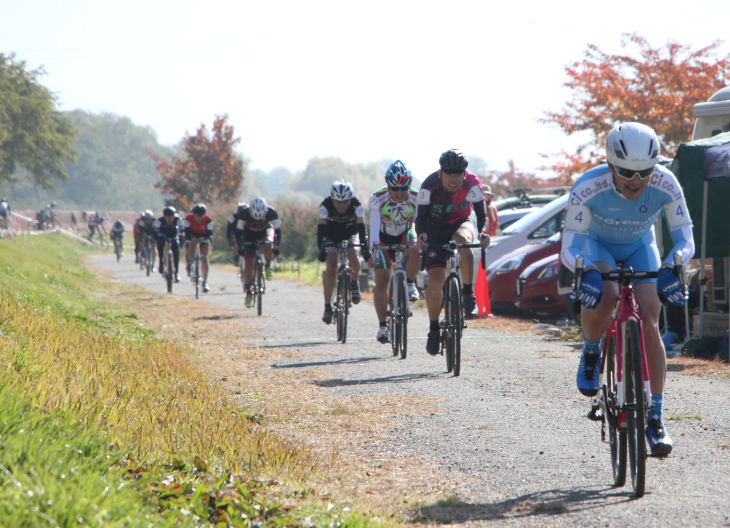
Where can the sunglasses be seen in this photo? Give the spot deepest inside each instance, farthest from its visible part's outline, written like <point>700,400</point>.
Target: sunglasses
<point>404,188</point>
<point>630,173</point>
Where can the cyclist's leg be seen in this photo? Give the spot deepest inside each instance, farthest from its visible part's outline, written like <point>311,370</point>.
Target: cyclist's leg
<point>354,262</point>
<point>465,235</point>
<point>329,277</point>
<point>595,321</point>
<point>161,253</point>
<point>204,250</point>
<point>176,254</point>
<point>380,293</point>
<point>267,241</point>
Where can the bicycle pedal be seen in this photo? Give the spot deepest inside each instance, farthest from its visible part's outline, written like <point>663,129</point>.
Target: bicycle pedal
<point>595,414</point>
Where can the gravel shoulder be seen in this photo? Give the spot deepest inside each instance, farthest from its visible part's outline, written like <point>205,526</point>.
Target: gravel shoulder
<point>505,444</point>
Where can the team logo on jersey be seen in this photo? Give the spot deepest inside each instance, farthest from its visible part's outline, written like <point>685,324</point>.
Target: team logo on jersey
<point>643,209</point>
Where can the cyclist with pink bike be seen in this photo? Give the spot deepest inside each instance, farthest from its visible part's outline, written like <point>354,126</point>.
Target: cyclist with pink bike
<point>610,220</point>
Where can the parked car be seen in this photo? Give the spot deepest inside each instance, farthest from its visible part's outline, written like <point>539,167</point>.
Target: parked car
<point>533,228</point>
<point>507,217</point>
<point>537,289</point>
<point>503,274</point>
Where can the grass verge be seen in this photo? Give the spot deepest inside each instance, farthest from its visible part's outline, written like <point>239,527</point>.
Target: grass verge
<point>104,423</point>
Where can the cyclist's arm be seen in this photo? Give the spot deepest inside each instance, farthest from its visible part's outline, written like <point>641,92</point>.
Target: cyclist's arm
<point>575,233</point>
<point>375,222</point>
<point>276,224</point>
<point>424,205</point>
<point>481,212</point>
<point>208,230</point>
<point>680,229</point>
<point>322,226</point>
<point>231,229</point>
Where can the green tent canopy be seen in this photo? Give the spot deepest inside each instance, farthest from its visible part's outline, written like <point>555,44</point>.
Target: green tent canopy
<point>689,167</point>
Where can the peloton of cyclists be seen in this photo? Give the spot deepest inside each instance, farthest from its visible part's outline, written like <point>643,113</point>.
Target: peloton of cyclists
<point>257,222</point>
<point>341,217</point>
<point>199,231</point>
<point>169,227</point>
<point>632,187</point>
<point>392,212</point>
<point>445,202</point>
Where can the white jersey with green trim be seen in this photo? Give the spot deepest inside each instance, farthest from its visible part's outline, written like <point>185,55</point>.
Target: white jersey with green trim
<point>390,217</point>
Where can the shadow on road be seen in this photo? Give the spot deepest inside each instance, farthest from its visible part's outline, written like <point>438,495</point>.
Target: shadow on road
<point>544,503</point>
<point>389,379</point>
<point>323,363</point>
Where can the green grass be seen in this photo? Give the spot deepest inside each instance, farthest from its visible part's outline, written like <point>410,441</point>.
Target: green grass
<point>104,424</point>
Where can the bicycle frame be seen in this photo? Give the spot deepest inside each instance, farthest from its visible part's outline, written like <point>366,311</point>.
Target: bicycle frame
<point>398,319</point>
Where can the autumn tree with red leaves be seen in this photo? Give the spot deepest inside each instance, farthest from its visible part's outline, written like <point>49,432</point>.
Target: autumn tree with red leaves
<point>503,183</point>
<point>208,171</point>
<point>658,87</point>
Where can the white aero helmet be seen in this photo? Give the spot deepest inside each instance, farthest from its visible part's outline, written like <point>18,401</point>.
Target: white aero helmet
<point>632,146</point>
<point>342,191</point>
<point>258,208</point>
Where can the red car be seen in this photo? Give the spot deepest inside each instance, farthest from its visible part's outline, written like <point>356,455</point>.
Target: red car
<point>503,273</point>
<point>537,289</point>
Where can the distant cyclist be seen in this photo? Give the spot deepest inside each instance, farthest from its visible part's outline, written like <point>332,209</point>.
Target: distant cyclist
<point>95,223</point>
<point>341,217</point>
<point>145,227</point>
<point>199,231</point>
<point>392,213</point>
<point>47,215</point>
<point>231,230</point>
<point>4,213</point>
<point>116,232</point>
<point>445,202</point>
<point>169,227</point>
<point>257,222</point>
<point>609,220</point>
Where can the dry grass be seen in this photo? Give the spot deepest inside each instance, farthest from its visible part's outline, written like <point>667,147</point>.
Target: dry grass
<point>343,434</point>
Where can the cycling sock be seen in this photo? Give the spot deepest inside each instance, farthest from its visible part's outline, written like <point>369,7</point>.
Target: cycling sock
<point>593,346</point>
<point>383,323</point>
<point>248,288</point>
<point>434,327</point>
<point>657,400</point>
<point>268,263</point>
<point>410,281</point>
<point>328,306</point>
<point>468,289</point>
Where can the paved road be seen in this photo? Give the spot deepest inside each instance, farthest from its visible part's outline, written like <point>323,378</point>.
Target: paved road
<point>512,428</point>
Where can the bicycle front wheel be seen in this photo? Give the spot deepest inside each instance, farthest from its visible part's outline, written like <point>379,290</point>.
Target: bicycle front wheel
<point>339,310</point>
<point>259,273</point>
<point>394,326</point>
<point>617,436</point>
<point>169,275</point>
<point>636,408</point>
<point>455,323</point>
<point>345,303</point>
<point>196,277</point>
<point>403,311</point>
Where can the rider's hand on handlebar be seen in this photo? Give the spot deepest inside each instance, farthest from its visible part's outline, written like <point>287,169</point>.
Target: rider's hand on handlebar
<point>668,287</point>
<point>422,242</point>
<point>322,255</point>
<point>591,289</point>
<point>366,254</point>
<point>484,239</point>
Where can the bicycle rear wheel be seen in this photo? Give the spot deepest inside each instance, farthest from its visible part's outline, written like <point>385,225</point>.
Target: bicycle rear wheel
<point>150,258</point>
<point>403,310</point>
<point>448,334</point>
<point>118,249</point>
<point>259,270</point>
<point>617,437</point>
<point>339,307</point>
<point>636,411</point>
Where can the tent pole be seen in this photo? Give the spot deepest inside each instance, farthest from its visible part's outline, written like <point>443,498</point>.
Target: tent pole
<point>702,260</point>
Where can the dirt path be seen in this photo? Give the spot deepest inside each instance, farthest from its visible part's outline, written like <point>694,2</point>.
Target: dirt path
<point>506,443</point>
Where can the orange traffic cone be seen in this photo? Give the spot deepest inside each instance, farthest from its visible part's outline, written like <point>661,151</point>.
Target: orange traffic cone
<point>481,292</point>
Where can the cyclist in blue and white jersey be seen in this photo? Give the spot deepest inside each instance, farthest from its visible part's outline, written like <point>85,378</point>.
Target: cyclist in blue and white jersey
<point>610,219</point>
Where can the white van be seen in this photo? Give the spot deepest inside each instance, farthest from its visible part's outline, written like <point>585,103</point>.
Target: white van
<point>713,117</point>
<point>530,229</point>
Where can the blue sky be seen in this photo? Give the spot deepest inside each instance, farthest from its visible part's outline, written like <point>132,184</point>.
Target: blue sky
<point>361,81</point>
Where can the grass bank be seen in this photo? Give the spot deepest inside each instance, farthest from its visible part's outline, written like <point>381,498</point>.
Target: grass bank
<point>103,423</point>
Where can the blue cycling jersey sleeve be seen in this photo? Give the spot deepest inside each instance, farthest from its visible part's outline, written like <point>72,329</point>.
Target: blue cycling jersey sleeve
<point>597,210</point>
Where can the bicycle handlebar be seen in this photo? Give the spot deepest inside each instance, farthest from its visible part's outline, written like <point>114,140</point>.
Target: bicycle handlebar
<point>454,246</point>
<point>626,275</point>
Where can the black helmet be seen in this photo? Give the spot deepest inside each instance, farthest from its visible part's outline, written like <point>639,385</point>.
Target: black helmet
<point>200,209</point>
<point>242,207</point>
<point>453,162</point>
<point>169,211</point>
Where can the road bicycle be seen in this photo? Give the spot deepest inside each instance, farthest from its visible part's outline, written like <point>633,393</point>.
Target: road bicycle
<point>342,300</point>
<point>195,271</point>
<point>624,398</point>
<point>258,287</point>
<point>169,265</point>
<point>398,306</point>
<point>454,321</point>
<point>118,248</point>
<point>147,255</point>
